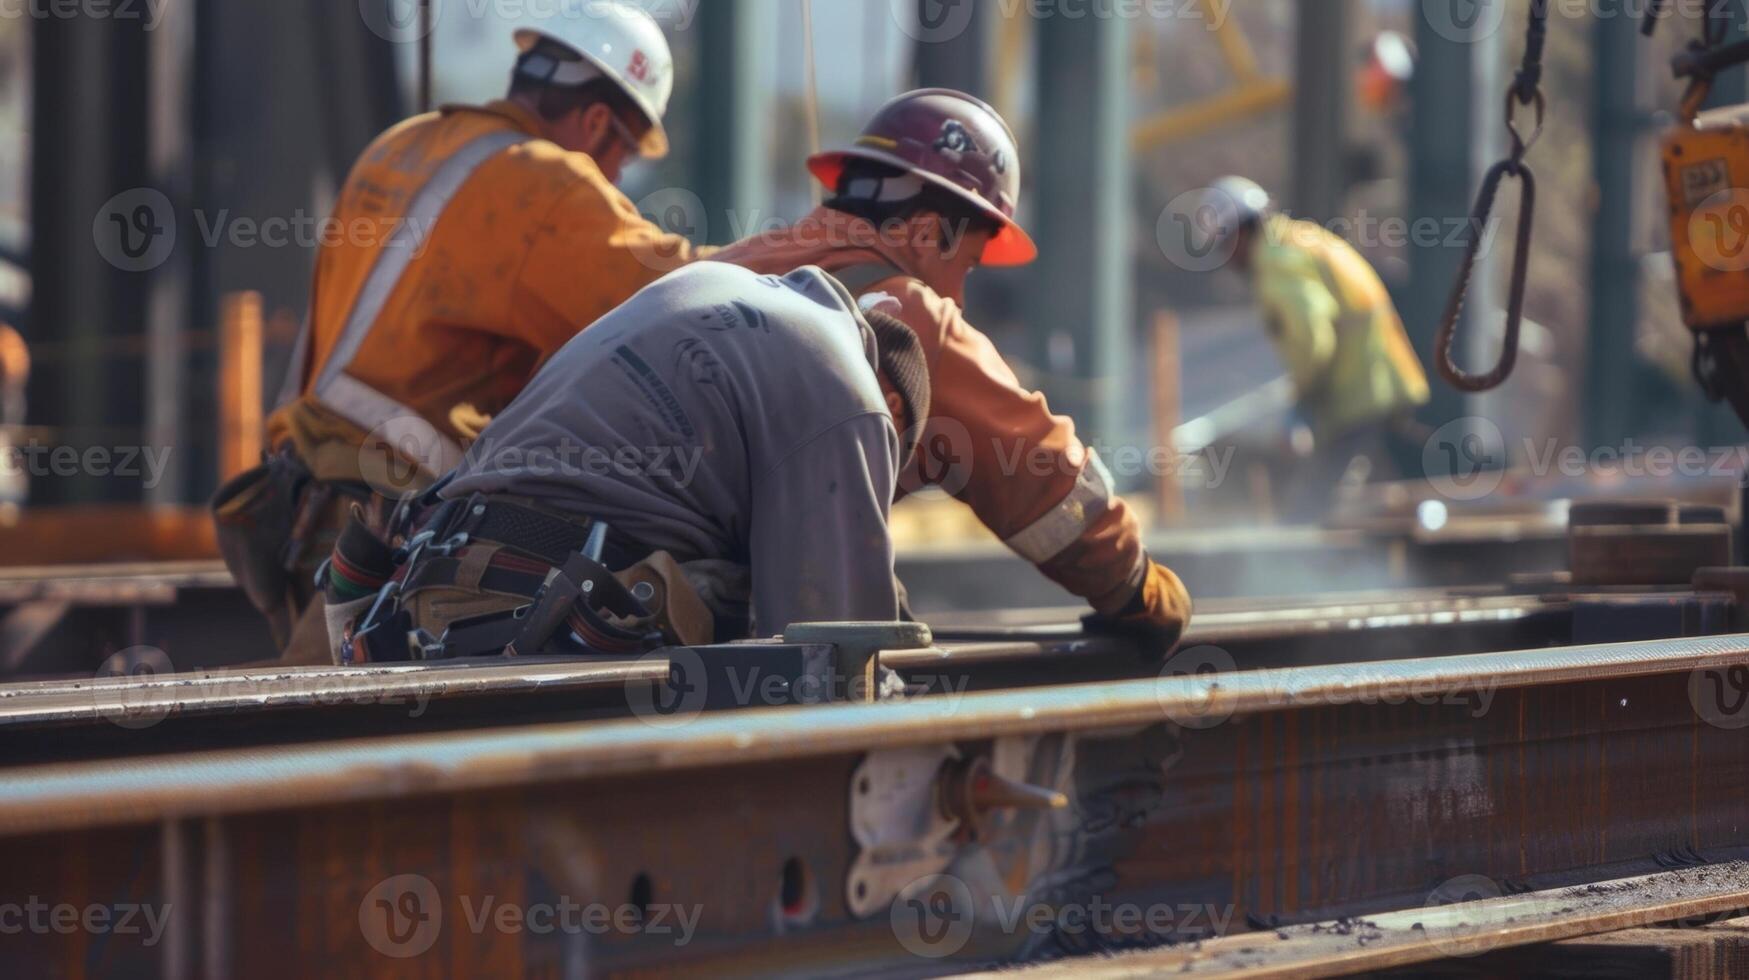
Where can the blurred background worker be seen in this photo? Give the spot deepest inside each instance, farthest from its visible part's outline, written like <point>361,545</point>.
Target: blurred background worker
<point>678,423</point>
<point>925,195</point>
<point>1356,377</point>
<point>496,234</point>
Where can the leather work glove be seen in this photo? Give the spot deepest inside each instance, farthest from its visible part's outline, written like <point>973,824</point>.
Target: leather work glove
<point>1156,615</point>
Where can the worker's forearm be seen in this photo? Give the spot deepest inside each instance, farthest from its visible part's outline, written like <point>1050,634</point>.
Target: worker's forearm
<point>1104,565</point>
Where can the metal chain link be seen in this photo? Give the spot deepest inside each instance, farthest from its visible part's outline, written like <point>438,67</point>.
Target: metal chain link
<point>1526,91</point>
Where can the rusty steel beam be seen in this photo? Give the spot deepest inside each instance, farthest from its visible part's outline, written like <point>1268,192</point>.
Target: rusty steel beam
<point>1279,796</point>
<point>101,793</point>
<point>1420,936</point>
<point>130,699</point>
<point>155,714</point>
<point>1238,621</point>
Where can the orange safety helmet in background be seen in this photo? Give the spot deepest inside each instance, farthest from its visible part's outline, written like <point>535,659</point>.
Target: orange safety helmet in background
<point>953,141</point>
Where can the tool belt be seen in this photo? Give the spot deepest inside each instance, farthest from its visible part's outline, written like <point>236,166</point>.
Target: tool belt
<point>488,575</point>
<point>274,523</point>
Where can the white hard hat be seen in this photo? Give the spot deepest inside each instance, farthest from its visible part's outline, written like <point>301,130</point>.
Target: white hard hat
<point>615,39</point>
<point>1237,200</point>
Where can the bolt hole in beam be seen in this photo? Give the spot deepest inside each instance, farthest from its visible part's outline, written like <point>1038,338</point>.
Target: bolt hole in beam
<point>798,897</point>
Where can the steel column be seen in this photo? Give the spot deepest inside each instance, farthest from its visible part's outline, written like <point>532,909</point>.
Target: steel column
<point>89,144</point>
<point>729,151</point>
<point>1322,96</point>
<point>1081,293</point>
<point>954,45</point>
<point>1454,135</point>
<point>1612,391</point>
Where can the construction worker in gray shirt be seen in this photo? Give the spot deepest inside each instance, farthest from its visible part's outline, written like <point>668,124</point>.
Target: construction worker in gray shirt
<point>725,443</point>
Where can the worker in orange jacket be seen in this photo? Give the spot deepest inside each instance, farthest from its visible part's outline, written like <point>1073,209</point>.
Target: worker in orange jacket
<point>925,195</point>
<point>466,247</point>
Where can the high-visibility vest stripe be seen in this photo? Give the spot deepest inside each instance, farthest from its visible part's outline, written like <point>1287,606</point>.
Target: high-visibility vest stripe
<point>356,401</point>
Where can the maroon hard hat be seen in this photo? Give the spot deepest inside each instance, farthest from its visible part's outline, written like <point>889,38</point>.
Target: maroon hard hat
<point>954,141</point>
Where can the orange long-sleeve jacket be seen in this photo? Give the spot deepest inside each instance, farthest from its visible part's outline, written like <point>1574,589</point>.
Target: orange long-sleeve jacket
<point>989,441</point>
<point>462,252</point>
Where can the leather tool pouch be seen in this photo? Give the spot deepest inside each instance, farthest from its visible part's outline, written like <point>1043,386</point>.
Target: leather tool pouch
<point>676,608</point>
<point>255,514</point>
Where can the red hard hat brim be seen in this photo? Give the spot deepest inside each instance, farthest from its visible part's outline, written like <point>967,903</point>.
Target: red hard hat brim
<point>1009,246</point>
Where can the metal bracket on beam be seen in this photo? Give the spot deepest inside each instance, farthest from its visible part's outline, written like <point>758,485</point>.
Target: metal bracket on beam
<point>902,834</point>
<point>856,651</point>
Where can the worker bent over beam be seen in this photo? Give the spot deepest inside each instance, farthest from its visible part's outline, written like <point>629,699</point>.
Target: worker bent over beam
<point>926,194</point>
<point>504,236</point>
<point>722,441</point>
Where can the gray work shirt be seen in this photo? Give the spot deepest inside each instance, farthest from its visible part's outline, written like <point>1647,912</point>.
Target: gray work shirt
<point>719,414</point>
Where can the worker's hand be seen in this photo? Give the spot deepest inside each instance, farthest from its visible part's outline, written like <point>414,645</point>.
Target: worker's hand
<point>1158,614</point>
